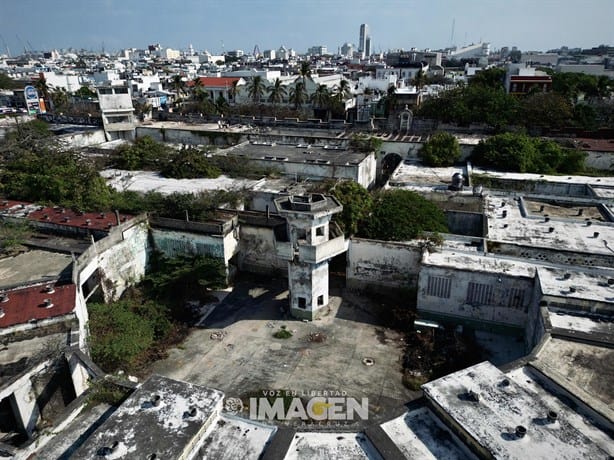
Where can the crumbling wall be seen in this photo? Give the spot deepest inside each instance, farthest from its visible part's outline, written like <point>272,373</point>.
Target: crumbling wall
<point>257,253</point>
<point>482,300</point>
<point>381,265</point>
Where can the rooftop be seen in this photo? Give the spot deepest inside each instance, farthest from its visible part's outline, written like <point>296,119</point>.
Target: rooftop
<point>577,284</point>
<point>415,176</point>
<point>582,180</point>
<point>324,446</point>
<point>150,181</point>
<point>60,216</point>
<point>509,418</point>
<point>297,153</point>
<point>420,434</point>
<point>163,417</point>
<point>479,262</point>
<point>43,301</point>
<point>506,223</point>
<point>32,266</point>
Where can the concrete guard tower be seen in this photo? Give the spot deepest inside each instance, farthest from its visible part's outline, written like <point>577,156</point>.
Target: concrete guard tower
<point>312,241</point>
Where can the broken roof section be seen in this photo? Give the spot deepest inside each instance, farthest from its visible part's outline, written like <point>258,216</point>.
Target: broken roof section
<point>163,417</point>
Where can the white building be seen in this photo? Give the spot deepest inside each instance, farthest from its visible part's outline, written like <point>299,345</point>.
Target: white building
<point>117,111</point>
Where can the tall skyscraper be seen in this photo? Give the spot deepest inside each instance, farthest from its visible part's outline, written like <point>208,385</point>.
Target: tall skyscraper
<point>362,41</point>
<point>368,46</point>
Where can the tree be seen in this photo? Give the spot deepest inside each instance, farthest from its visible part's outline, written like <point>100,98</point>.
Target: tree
<point>233,90</point>
<point>357,205</point>
<point>401,215</point>
<point>489,78</point>
<point>521,153</point>
<point>342,90</point>
<point>255,89</point>
<point>189,163</point>
<point>420,79</point>
<point>389,101</point>
<point>7,82</point>
<point>304,71</point>
<point>442,149</point>
<point>277,92</point>
<point>178,85</point>
<point>44,90</point>
<point>321,99</point>
<point>144,153</point>
<point>298,95</point>
<point>546,109</point>
<point>60,99</point>
<point>85,92</point>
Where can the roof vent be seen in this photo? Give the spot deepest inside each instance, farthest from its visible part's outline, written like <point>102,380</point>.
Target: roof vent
<point>66,219</point>
<point>552,416</point>
<point>49,289</point>
<point>580,211</point>
<point>541,208</point>
<point>550,229</point>
<point>521,431</point>
<point>155,400</point>
<point>152,457</point>
<point>2,313</point>
<point>88,222</point>
<point>101,216</point>
<point>572,289</point>
<point>47,303</point>
<point>191,413</point>
<point>546,219</point>
<point>474,395</point>
<point>610,281</point>
<point>567,276</point>
<point>595,234</point>
<point>588,223</point>
<point>504,213</point>
<point>4,298</point>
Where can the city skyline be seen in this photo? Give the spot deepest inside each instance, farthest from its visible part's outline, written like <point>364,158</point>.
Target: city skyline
<point>240,24</point>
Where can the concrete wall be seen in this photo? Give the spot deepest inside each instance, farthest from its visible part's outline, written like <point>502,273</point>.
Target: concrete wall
<point>496,315</point>
<point>190,137</point>
<point>120,259</point>
<point>257,253</point>
<point>554,255</point>
<point>382,265</point>
<point>603,161</point>
<point>465,223</point>
<point>83,139</point>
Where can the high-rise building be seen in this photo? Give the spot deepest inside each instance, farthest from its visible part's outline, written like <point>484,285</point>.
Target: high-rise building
<point>368,46</point>
<point>362,40</point>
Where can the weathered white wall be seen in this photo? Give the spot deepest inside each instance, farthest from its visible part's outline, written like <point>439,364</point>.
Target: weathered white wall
<point>456,307</point>
<point>257,253</point>
<point>174,243</point>
<point>83,139</point>
<point>382,265</point>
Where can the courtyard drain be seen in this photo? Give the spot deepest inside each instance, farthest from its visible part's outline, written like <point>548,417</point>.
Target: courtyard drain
<point>368,361</point>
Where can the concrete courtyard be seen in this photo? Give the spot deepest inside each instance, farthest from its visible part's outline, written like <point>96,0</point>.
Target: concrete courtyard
<point>248,359</point>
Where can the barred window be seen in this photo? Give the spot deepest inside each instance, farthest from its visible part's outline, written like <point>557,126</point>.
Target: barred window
<point>438,286</point>
<point>516,298</point>
<point>480,294</point>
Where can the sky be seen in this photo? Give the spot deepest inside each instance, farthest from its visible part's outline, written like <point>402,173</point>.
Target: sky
<point>217,25</point>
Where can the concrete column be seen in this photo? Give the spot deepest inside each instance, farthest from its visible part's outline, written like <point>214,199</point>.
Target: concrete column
<point>23,402</point>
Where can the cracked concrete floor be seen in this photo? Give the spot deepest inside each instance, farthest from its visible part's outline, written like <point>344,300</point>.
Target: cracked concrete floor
<point>248,359</point>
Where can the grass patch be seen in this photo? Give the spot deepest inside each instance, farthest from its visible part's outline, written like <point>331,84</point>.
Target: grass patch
<point>283,333</point>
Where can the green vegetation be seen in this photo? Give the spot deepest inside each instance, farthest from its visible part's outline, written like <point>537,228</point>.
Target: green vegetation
<point>184,276</point>
<point>283,333</point>
<point>400,215</point>
<point>364,143</point>
<point>36,168</point>
<point>442,149</point>
<point>12,236</point>
<point>189,163</point>
<point>7,82</point>
<point>521,153</point>
<point>103,391</point>
<point>144,153</point>
<point>128,333</point>
<point>357,204</point>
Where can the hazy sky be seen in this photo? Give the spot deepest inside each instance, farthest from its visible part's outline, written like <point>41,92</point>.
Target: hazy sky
<point>242,24</point>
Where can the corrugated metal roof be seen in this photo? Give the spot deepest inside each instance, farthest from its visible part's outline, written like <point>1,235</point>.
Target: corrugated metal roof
<point>61,216</point>
<point>20,306</point>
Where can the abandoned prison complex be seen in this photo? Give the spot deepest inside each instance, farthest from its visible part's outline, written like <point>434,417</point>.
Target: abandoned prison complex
<point>536,263</point>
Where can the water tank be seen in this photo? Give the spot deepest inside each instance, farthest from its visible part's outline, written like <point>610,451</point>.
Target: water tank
<point>457,181</point>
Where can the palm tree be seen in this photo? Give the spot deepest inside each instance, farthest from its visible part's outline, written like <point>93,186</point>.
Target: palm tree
<point>277,92</point>
<point>420,79</point>
<point>44,90</point>
<point>304,71</point>
<point>390,99</point>
<point>342,90</point>
<point>298,95</point>
<point>178,85</point>
<point>233,90</point>
<point>320,97</point>
<point>255,89</point>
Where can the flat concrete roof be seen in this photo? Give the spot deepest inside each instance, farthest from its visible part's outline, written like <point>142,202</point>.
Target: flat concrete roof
<point>139,427</point>
<point>233,438</point>
<point>32,266</point>
<point>562,179</point>
<point>325,446</point>
<point>577,284</point>
<point>150,181</point>
<point>507,224</point>
<point>413,175</point>
<point>503,404</point>
<point>581,368</point>
<point>479,262</point>
<point>420,434</point>
<point>582,322</point>
<point>297,153</point>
